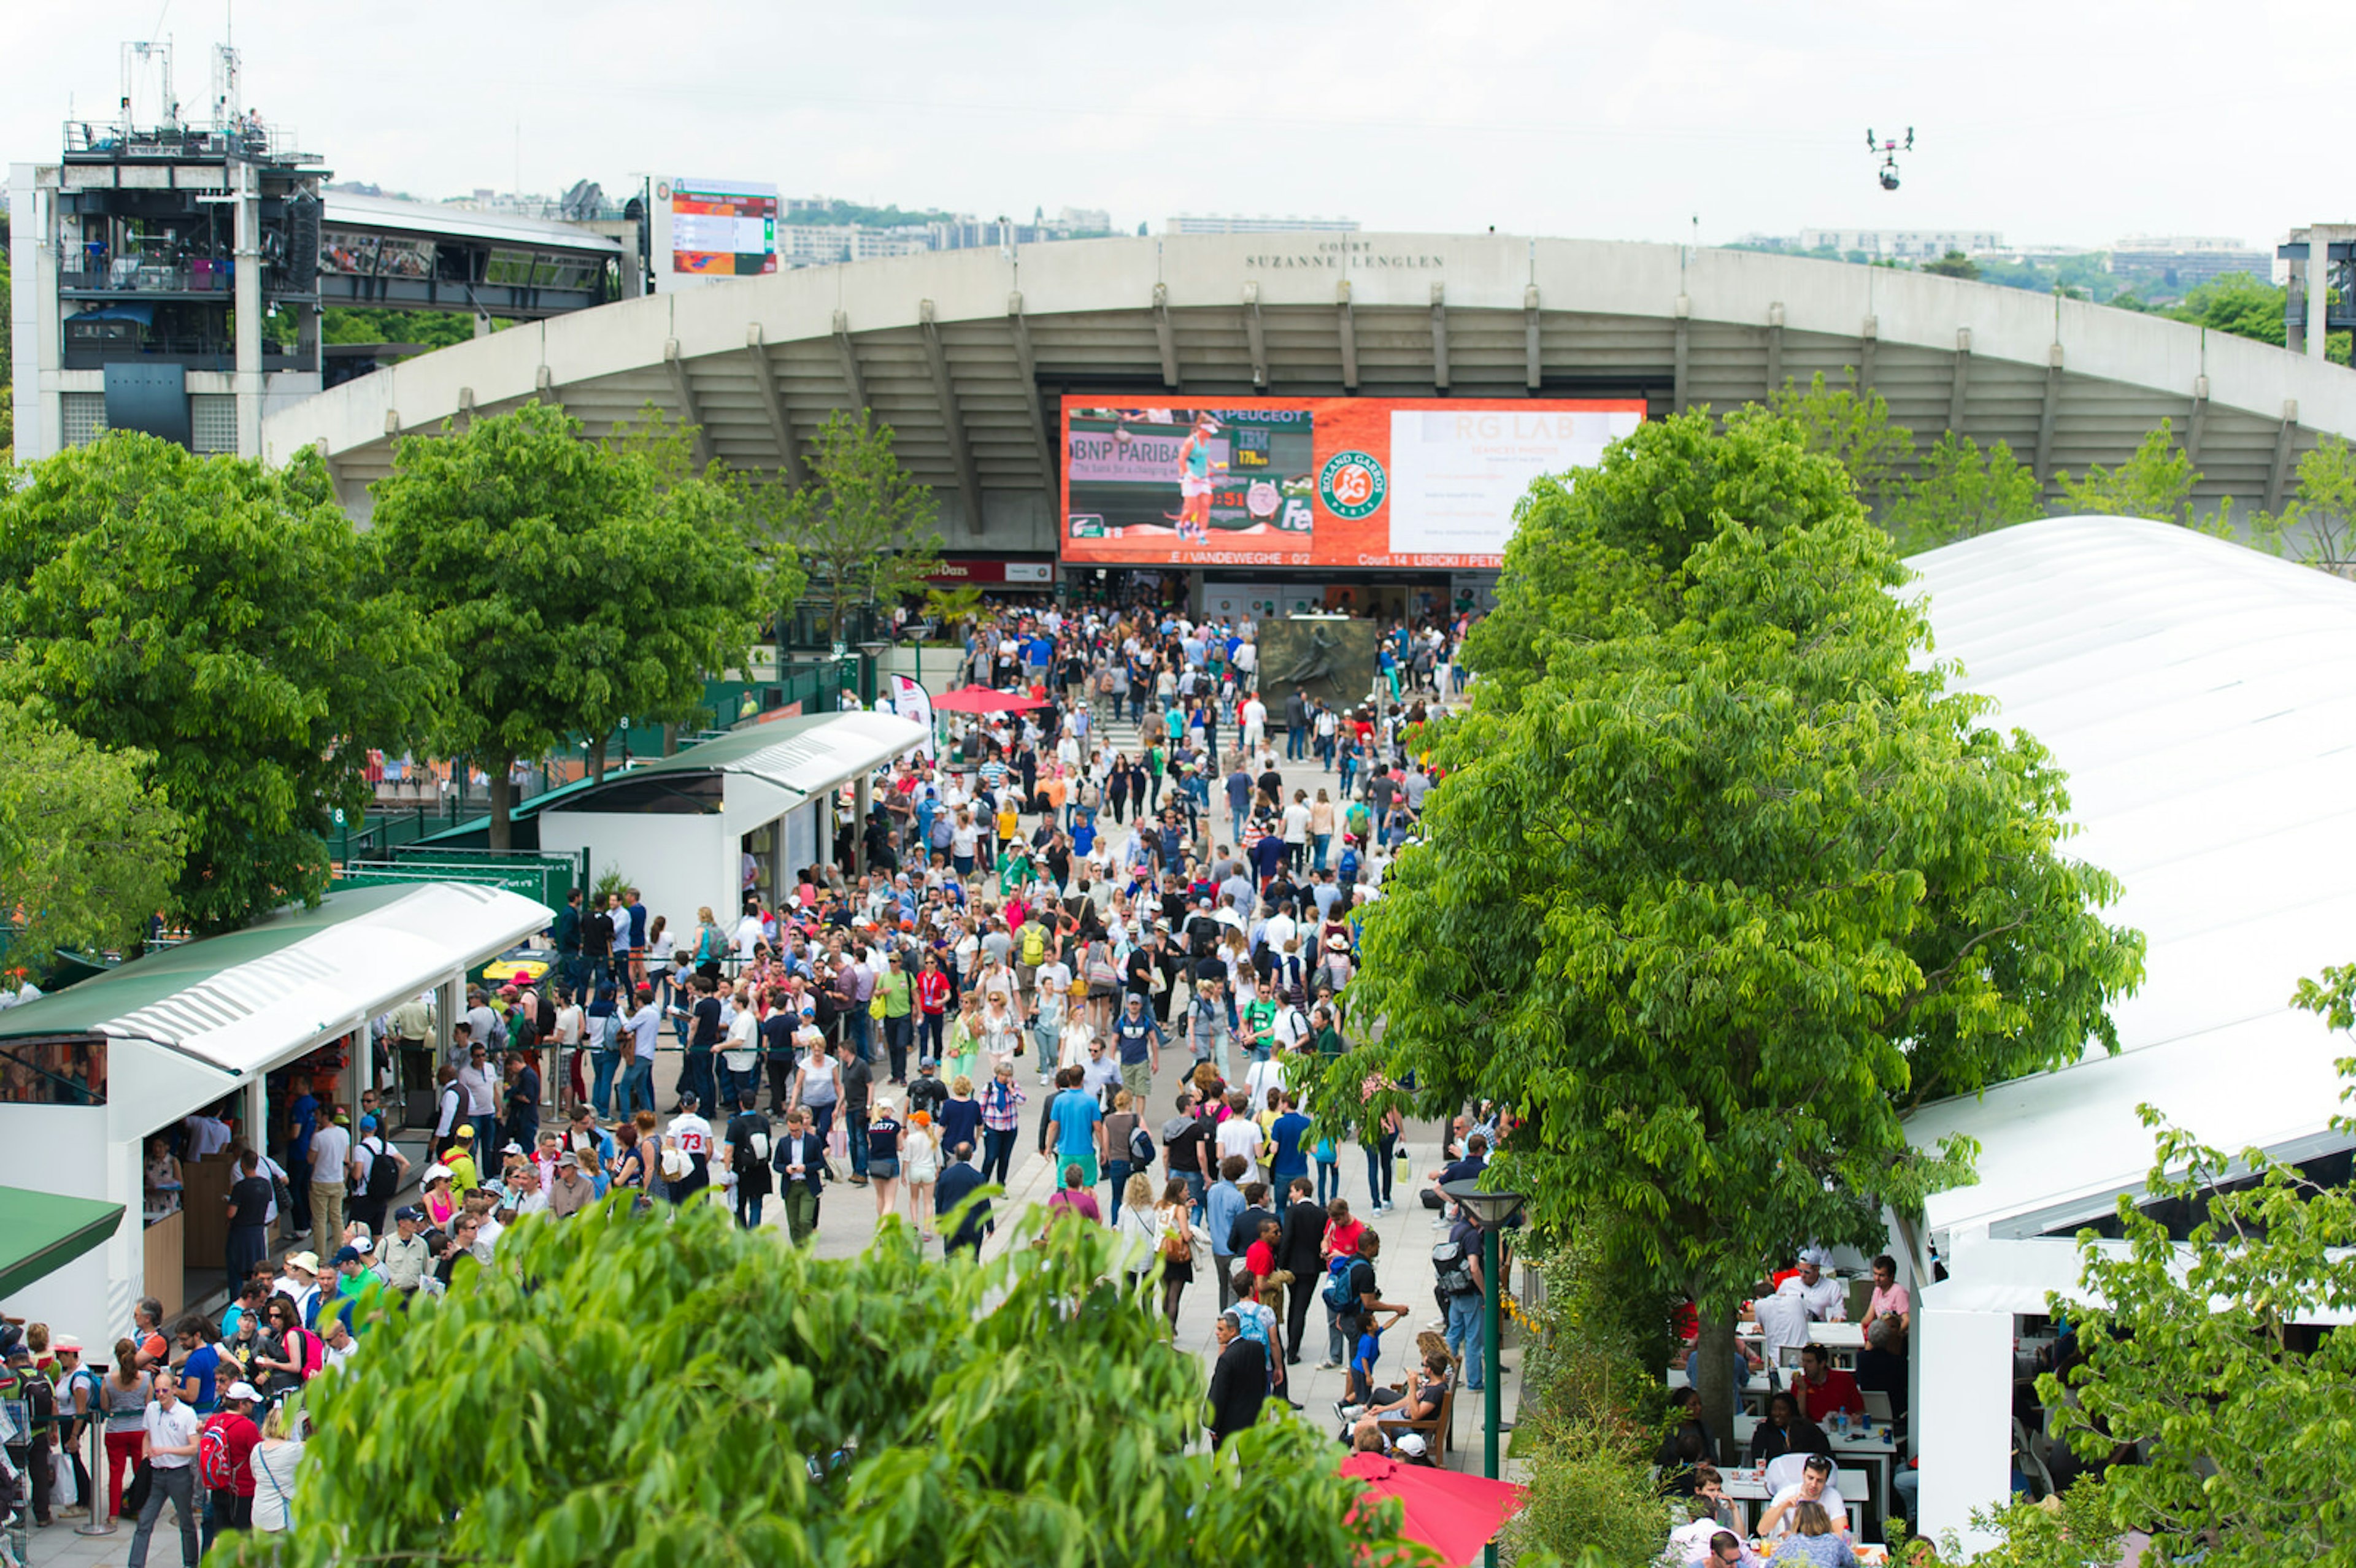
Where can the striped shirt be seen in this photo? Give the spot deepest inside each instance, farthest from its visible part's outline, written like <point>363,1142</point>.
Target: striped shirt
<point>1001,1106</point>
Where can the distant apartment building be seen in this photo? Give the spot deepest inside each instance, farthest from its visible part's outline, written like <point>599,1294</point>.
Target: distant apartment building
<point>1901,244</point>
<point>1215,223</point>
<point>825,244</point>
<point>2185,261</point>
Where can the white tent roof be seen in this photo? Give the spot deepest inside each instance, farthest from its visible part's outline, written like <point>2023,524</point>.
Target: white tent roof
<point>2198,695</point>
<point>190,1022</point>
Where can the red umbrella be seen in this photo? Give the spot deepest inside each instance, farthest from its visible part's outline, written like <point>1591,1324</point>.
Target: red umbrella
<point>982,700</point>
<point>1456,1515</point>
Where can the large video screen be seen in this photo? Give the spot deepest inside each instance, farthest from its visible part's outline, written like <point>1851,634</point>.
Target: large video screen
<point>1345,482</point>
<point>723,228</point>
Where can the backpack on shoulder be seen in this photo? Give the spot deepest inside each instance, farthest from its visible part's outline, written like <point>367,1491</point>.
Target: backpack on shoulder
<point>1337,1293</point>
<point>1453,1264</point>
<point>216,1471</point>
<point>384,1172</point>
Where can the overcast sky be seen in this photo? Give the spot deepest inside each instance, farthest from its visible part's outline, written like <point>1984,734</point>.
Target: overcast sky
<point>2072,122</point>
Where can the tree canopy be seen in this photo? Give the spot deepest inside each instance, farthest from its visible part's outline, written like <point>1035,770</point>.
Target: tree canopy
<point>1587,544</point>
<point>89,846</point>
<point>1719,889</point>
<point>1963,491</point>
<point>2200,1344</point>
<point>569,584</point>
<point>224,619</point>
<point>862,524</point>
<point>676,1390</point>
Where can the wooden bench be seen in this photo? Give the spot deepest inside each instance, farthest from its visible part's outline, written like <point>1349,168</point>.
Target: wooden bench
<point>1439,1429</point>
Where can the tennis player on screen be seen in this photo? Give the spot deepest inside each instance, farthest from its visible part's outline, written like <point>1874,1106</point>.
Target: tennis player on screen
<point>1194,465</point>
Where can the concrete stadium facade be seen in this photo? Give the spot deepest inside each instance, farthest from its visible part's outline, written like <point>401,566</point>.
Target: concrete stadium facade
<point>965,353</point>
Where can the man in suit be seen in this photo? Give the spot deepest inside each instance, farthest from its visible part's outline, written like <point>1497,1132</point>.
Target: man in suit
<point>958,1183</point>
<point>1238,1382</point>
<point>799,1162</point>
<point>1298,1252</point>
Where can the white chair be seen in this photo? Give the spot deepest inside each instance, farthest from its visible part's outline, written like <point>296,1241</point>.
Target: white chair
<point>1783,1470</point>
<point>1877,1405</point>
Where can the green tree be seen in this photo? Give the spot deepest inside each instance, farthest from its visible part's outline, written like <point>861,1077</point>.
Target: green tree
<point>1714,901</point>
<point>1954,264</point>
<point>861,524</point>
<point>225,618</point>
<point>371,324</point>
<point>569,586</point>
<point>2157,483</point>
<point>2320,518</point>
<point>741,503</point>
<point>1590,542</point>
<point>2236,302</point>
<point>683,1391</point>
<point>1850,426</point>
<point>88,847</point>
<point>2197,1346</point>
<point>1962,492</point>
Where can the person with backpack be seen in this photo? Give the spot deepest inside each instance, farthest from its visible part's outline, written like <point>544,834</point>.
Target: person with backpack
<point>1457,1263</point>
<point>749,1140</point>
<point>225,1444</point>
<point>377,1171</point>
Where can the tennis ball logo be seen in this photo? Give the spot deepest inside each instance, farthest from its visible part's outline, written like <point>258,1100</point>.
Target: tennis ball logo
<point>1352,484</point>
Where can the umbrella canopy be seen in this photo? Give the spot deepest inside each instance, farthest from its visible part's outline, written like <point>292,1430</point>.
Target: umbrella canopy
<point>1455,1514</point>
<point>982,700</point>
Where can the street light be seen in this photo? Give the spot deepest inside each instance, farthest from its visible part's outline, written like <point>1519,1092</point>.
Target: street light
<point>1489,1209</point>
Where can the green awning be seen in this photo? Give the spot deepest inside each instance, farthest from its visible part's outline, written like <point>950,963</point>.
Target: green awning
<point>41,1232</point>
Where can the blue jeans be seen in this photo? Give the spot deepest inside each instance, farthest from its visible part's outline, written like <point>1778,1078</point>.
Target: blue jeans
<point>1197,1187</point>
<point>1296,743</point>
<point>998,1153</point>
<point>857,1019</point>
<point>821,1122</point>
<point>637,1087</point>
<point>601,1080</point>
<point>1117,1172</point>
<point>1464,1326</point>
<point>1329,1171</point>
<point>1323,842</point>
<point>1380,1165</point>
<point>1240,818</point>
<point>748,1209</point>
<point>854,1129</point>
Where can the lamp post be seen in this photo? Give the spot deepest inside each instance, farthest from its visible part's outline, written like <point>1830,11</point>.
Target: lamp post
<point>1488,1211</point>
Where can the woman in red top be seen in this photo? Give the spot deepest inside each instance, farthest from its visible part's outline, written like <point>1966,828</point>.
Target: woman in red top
<point>932,1003</point>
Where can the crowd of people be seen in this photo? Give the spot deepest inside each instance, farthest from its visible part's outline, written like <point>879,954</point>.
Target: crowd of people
<point>1048,915</point>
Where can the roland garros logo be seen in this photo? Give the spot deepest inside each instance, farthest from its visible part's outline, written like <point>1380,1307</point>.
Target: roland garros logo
<point>1351,483</point>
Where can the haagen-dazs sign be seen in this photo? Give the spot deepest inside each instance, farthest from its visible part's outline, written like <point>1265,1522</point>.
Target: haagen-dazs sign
<point>1350,256</point>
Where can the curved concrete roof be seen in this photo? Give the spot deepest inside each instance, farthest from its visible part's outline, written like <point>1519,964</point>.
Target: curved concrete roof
<point>963,353</point>
<point>2194,692</point>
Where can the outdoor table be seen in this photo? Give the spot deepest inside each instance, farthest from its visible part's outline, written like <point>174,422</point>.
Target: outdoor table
<point>1748,1485</point>
<point>1880,1451</point>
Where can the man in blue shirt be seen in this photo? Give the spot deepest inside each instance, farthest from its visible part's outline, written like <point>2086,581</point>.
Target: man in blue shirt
<point>1225,1202</point>
<point>1239,791</point>
<point>1079,1126</point>
<point>302,1121</point>
<point>1287,1133</point>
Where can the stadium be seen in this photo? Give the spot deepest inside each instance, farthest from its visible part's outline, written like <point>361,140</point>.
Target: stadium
<point>968,356</point>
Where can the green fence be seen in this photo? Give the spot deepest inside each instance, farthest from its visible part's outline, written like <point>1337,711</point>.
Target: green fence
<point>545,877</point>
